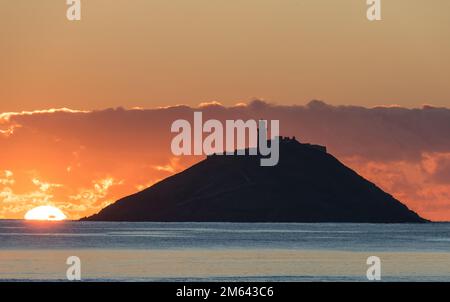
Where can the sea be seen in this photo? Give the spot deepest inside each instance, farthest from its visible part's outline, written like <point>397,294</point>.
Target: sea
<point>181,252</point>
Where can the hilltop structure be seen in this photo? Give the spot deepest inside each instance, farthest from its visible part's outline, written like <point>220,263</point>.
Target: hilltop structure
<point>307,185</point>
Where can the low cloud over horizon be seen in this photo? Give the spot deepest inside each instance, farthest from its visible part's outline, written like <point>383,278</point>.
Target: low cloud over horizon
<point>81,161</point>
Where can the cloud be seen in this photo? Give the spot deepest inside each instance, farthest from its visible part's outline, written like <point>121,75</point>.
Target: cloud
<point>6,178</point>
<point>405,151</point>
<point>44,186</point>
<point>98,192</point>
<point>210,104</point>
<point>6,116</point>
<point>172,167</point>
<point>16,205</point>
<point>438,167</point>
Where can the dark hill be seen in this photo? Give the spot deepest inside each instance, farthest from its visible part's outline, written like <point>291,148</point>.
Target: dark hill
<point>307,185</point>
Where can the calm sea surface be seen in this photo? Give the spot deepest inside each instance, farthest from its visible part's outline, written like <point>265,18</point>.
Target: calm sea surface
<point>124,251</point>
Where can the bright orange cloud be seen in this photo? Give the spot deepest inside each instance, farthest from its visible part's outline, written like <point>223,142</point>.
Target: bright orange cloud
<point>412,182</point>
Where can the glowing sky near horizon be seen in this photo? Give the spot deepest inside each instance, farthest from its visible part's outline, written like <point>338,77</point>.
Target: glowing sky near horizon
<point>81,162</point>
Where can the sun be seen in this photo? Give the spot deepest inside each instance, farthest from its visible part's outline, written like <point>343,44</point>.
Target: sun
<point>47,213</point>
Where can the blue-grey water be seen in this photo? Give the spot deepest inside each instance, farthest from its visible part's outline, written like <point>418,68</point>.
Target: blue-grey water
<point>147,251</point>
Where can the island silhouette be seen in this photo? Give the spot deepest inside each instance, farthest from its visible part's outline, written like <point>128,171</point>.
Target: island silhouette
<point>307,185</point>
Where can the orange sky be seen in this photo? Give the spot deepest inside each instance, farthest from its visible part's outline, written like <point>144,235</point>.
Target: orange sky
<point>152,53</point>
<point>82,161</point>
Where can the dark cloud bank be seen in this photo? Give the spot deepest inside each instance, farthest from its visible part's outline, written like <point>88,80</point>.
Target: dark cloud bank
<point>386,135</point>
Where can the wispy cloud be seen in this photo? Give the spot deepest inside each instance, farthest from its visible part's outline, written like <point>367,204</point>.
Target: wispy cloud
<point>6,116</point>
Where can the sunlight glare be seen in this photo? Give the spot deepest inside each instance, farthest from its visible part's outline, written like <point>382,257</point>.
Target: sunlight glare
<point>47,213</point>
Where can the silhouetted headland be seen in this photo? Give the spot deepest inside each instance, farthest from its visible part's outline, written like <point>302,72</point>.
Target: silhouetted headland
<point>307,185</point>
